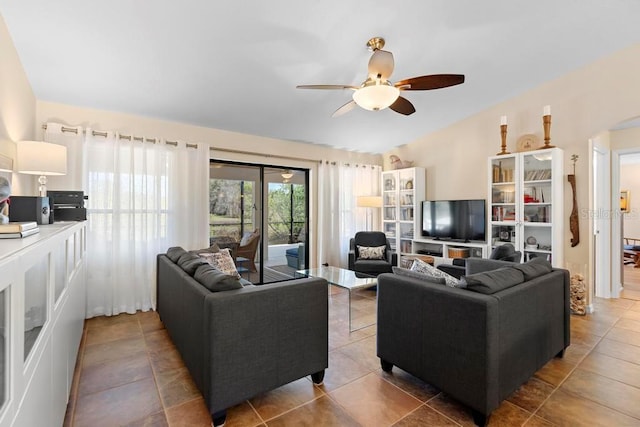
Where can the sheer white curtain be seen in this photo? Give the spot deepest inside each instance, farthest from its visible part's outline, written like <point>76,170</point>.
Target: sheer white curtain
<point>143,198</point>
<point>339,185</point>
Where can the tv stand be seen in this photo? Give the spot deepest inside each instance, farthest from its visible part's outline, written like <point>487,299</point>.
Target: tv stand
<point>440,248</point>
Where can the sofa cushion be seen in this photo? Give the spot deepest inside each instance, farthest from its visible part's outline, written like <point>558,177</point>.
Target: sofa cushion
<point>215,280</point>
<point>490,282</point>
<point>175,253</point>
<point>222,261</point>
<point>423,267</point>
<point>536,267</point>
<point>371,252</point>
<point>417,275</point>
<point>185,258</point>
<point>191,265</point>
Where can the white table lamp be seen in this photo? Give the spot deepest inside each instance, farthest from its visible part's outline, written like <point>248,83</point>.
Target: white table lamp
<point>41,158</point>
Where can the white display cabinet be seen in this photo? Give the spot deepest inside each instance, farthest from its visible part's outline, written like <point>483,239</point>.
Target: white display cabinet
<point>526,203</point>
<point>403,191</point>
<point>42,311</point>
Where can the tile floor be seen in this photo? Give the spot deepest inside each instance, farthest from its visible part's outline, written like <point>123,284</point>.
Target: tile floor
<point>129,374</point>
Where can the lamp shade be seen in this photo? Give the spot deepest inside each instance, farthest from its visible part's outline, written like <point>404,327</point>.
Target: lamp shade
<point>369,201</point>
<point>41,158</point>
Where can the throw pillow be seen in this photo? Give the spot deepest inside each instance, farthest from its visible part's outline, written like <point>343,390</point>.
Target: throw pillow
<point>490,282</point>
<point>175,253</point>
<point>536,267</point>
<point>247,237</point>
<point>371,252</point>
<point>416,275</point>
<point>222,261</point>
<point>422,267</point>
<point>215,280</point>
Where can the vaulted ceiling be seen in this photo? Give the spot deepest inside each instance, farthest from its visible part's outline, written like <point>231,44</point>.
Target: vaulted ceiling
<point>234,65</point>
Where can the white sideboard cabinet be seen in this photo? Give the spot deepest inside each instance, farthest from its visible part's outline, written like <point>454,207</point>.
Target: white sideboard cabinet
<point>42,311</point>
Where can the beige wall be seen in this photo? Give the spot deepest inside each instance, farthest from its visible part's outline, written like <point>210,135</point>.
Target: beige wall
<point>17,107</point>
<point>583,103</point>
<point>258,149</point>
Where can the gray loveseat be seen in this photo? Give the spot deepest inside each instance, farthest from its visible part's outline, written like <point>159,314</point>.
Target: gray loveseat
<point>242,342</point>
<point>477,346</point>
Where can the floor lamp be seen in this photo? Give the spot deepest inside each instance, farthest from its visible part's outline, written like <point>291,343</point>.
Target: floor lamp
<point>369,202</point>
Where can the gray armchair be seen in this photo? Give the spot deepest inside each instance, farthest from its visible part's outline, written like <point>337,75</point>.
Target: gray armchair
<point>371,267</point>
<point>506,252</point>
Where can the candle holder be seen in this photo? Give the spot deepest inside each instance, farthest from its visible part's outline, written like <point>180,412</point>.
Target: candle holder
<point>546,125</point>
<point>503,136</point>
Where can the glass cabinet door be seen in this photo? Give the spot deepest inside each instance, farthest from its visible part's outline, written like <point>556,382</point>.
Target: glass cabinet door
<point>503,203</point>
<point>537,199</point>
<point>35,303</point>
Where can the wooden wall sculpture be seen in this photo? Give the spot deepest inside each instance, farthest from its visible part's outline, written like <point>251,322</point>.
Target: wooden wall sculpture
<point>574,225</point>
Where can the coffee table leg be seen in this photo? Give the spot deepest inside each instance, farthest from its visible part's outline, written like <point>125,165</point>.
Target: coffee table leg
<point>361,327</point>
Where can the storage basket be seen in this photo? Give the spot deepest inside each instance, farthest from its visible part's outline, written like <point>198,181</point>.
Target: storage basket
<point>458,252</point>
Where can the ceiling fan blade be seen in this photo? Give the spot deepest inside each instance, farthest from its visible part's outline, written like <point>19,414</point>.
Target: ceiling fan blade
<point>344,109</point>
<point>326,87</point>
<point>381,62</point>
<point>403,106</point>
<point>434,81</point>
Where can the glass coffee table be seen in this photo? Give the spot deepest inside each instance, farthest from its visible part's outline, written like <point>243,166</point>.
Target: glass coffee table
<point>342,278</point>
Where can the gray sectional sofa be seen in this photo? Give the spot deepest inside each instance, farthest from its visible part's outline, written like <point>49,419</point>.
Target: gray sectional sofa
<point>477,344</point>
<point>245,340</point>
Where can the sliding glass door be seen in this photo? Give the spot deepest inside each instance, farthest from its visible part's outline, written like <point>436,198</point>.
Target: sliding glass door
<point>260,213</point>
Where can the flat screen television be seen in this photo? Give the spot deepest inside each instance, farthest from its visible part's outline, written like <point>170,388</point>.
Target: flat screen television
<point>459,220</point>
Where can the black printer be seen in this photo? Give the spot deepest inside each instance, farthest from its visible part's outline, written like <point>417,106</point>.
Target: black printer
<point>67,205</point>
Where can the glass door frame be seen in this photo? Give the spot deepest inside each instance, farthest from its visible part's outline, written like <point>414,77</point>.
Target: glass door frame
<point>261,220</point>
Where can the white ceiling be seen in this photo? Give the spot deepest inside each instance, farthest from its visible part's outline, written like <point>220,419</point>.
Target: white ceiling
<point>234,65</point>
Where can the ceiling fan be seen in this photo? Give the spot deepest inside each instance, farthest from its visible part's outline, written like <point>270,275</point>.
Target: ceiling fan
<point>378,92</point>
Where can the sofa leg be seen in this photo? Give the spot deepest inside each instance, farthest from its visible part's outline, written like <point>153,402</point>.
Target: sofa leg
<point>479,418</point>
<point>386,366</point>
<point>318,377</point>
<point>218,418</point>
<point>560,354</point>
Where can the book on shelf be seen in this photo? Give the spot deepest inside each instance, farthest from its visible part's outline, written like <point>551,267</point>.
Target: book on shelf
<point>17,227</point>
<point>19,234</point>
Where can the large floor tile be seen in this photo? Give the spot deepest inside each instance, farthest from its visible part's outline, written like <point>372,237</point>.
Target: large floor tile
<point>119,405</point>
<point>619,350</point>
<point>156,420</point>
<point>425,416</point>
<point>276,402</point>
<point>342,370</point>
<point>114,372</point>
<point>611,367</point>
<point>608,392</point>
<point>364,352</point>
<point>190,414</point>
<point>319,412</point>
<point>567,409</point>
<point>176,387</point>
<point>407,382</point>
<point>118,331</point>
<point>102,352</point>
<point>624,335</point>
<point>531,394</point>
<point>373,401</point>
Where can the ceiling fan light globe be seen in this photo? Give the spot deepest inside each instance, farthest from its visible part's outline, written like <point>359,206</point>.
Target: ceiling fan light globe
<point>373,97</point>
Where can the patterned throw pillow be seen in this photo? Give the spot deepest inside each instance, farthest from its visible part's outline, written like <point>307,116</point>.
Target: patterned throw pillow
<point>371,252</point>
<point>222,261</point>
<point>423,267</point>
